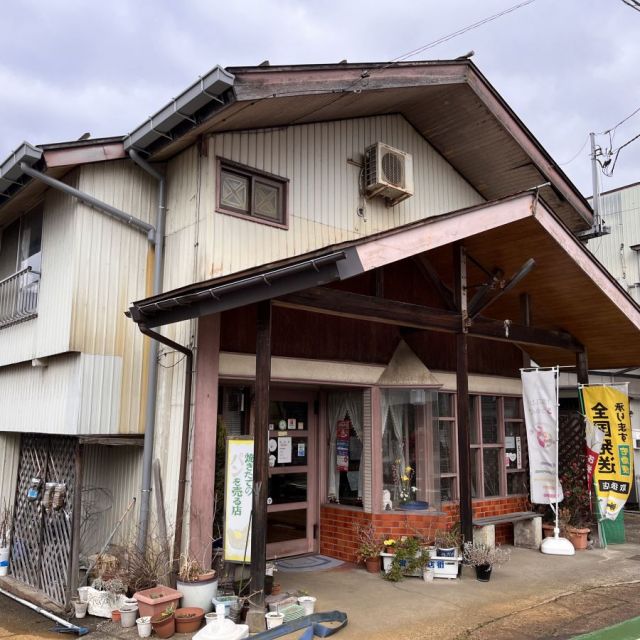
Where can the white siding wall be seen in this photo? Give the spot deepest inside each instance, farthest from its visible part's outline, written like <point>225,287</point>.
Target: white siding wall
<point>9,459</point>
<point>323,194</point>
<point>111,478</point>
<point>621,212</point>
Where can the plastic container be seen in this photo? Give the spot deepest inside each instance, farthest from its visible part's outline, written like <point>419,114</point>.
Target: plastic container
<point>309,604</point>
<point>199,593</point>
<point>80,609</point>
<point>83,594</point>
<point>144,626</point>
<point>128,616</point>
<point>274,619</point>
<point>153,601</point>
<point>4,561</point>
<point>225,602</point>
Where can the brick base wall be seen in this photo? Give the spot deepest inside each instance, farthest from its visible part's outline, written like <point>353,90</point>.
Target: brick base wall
<point>337,524</point>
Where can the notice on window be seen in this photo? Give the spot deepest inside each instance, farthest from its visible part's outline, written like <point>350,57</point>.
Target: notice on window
<point>285,446</point>
<point>238,500</point>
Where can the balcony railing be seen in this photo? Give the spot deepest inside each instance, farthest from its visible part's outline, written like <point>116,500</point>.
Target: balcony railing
<point>19,297</point>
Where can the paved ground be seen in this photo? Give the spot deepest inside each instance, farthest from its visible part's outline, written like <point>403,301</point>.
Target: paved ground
<point>533,596</point>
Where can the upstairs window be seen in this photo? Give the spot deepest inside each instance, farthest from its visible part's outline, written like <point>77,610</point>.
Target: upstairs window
<point>247,192</point>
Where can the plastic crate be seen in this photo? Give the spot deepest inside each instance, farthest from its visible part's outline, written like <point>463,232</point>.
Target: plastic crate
<point>613,530</point>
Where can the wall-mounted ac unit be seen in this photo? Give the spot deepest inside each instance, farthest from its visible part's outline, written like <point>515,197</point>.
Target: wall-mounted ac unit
<point>637,443</point>
<point>388,173</point>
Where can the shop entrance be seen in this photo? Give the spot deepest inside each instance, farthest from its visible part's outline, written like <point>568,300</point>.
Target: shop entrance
<point>292,503</point>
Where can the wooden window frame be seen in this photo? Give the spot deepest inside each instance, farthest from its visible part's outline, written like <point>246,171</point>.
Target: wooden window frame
<point>253,175</point>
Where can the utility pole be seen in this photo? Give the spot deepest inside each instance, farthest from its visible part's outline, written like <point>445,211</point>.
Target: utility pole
<point>597,228</point>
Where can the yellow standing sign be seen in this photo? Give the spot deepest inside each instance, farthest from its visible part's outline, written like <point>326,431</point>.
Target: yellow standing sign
<point>607,407</point>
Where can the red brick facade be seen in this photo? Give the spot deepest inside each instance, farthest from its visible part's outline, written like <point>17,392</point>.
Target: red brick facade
<point>338,537</point>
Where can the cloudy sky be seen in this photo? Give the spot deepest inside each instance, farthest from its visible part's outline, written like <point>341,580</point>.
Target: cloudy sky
<point>566,67</point>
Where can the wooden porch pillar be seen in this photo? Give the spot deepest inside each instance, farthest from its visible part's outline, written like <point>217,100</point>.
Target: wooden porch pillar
<point>582,367</point>
<point>203,475</point>
<point>462,386</point>
<point>525,319</point>
<point>260,455</point>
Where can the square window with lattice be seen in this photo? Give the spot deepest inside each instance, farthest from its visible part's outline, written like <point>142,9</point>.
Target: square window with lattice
<point>247,192</point>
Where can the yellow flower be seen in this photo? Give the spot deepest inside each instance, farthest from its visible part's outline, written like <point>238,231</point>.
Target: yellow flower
<point>408,470</point>
<point>390,542</point>
<point>405,478</point>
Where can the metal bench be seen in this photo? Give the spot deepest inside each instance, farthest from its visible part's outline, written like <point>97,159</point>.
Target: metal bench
<point>527,529</point>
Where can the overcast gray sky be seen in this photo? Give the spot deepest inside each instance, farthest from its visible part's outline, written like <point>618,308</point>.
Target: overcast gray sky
<point>566,67</point>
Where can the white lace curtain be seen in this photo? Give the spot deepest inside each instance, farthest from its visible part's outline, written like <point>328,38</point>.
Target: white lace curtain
<point>393,405</point>
<point>339,405</point>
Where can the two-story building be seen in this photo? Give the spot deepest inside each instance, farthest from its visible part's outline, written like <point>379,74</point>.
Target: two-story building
<point>358,258</point>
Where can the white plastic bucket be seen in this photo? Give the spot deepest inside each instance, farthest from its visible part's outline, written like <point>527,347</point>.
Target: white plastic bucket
<point>83,594</point>
<point>128,617</point>
<point>4,561</point>
<point>144,626</point>
<point>80,609</point>
<point>274,619</point>
<point>309,604</point>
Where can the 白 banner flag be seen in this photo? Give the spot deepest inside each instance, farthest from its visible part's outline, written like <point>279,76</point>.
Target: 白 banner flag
<point>238,500</point>
<point>540,399</point>
<point>607,407</point>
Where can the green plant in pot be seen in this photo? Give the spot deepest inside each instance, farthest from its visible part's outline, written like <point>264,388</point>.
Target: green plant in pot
<point>164,623</point>
<point>411,558</point>
<point>197,585</point>
<point>368,547</point>
<point>484,558</point>
<point>448,542</point>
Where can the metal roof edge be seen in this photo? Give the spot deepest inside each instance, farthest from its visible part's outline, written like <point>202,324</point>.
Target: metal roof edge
<point>208,88</point>
<point>10,171</point>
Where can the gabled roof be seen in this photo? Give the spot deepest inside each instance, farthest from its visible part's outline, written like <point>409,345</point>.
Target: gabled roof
<point>450,103</point>
<point>570,291</point>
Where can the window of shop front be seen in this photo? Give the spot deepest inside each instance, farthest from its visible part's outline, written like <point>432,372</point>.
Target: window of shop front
<point>346,435</point>
<point>410,448</point>
<point>498,446</point>
<point>448,446</point>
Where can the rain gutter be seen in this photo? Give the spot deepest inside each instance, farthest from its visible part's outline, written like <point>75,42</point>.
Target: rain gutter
<point>10,169</point>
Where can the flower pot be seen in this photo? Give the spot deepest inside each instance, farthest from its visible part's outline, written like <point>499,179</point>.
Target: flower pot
<point>428,575</point>
<point>309,602</point>
<point>188,619</point>
<point>274,619</point>
<point>198,593</point>
<point>446,552</point>
<point>4,561</point>
<point>164,626</point>
<point>115,615</point>
<point>83,594</point>
<point>373,564</point>
<point>144,626</point>
<point>547,529</point>
<point>128,617</point>
<point>483,572</point>
<point>80,609</point>
<point>577,537</point>
<point>154,601</point>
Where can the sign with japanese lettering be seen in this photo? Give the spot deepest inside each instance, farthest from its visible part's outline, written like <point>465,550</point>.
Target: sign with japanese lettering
<point>540,399</point>
<point>607,408</point>
<point>238,500</point>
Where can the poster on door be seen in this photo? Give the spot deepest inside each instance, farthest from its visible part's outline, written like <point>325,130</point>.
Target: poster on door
<point>238,500</point>
<point>342,445</point>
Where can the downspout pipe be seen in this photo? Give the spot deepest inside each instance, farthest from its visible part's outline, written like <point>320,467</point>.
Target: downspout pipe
<point>152,376</point>
<point>184,443</point>
<point>94,203</point>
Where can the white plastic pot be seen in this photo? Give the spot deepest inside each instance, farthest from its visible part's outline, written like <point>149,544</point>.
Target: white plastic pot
<point>274,619</point>
<point>83,594</point>
<point>80,609</point>
<point>309,604</point>
<point>4,561</point>
<point>128,617</point>
<point>144,626</point>
<point>198,594</point>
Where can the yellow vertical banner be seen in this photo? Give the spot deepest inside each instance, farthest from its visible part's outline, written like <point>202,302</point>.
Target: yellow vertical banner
<point>607,407</point>
<point>238,500</point>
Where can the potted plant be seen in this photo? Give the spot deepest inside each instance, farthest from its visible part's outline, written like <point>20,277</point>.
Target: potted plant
<point>448,543</point>
<point>576,503</point>
<point>197,585</point>
<point>164,623</point>
<point>156,600</point>
<point>188,619</point>
<point>389,545</point>
<point>368,547</point>
<point>484,558</point>
<point>5,538</point>
<point>105,596</point>
<point>411,558</point>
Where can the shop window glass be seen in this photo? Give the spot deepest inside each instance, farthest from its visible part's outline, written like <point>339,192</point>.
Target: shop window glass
<point>491,472</point>
<point>410,446</point>
<point>489,406</point>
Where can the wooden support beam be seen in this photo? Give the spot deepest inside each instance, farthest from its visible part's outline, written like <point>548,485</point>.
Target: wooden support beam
<point>431,275</point>
<point>260,453</point>
<point>525,319</point>
<point>582,367</point>
<point>462,396</point>
<point>73,579</point>
<point>361,307</point>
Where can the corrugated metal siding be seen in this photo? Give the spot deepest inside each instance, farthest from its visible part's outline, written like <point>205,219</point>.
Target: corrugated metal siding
<point>366,451</point>
<point>48,334</point>
<point>112,266</point>
<point>40,399</point>
<point>621,212</point>
<point>111,477</point>
<point>9,459</point>
<point>323,193</point>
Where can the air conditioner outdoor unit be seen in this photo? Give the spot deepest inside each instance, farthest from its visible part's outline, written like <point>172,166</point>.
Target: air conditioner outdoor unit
<point>388,173</point>
<point>637,443</point>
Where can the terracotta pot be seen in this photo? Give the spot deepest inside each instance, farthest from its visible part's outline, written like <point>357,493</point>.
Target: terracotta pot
<point>577,537</point>
<point>547,529</point>
<point>115,615</point>
<point>165,626</point>
<point>188,619</point>
<point>373,564</point>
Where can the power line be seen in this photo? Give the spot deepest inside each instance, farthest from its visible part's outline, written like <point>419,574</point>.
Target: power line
<point>609,172</point>
<point>634,4</point>
<point>584,144</point>
<point>612,129</point>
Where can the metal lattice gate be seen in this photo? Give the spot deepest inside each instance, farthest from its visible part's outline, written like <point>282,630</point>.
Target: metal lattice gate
<point>41,545</point>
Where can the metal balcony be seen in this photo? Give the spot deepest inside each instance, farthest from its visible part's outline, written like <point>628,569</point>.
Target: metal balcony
<point>19,297</point>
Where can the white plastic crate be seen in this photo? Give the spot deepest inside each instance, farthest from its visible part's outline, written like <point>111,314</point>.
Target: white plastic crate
<point>444,567</point>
